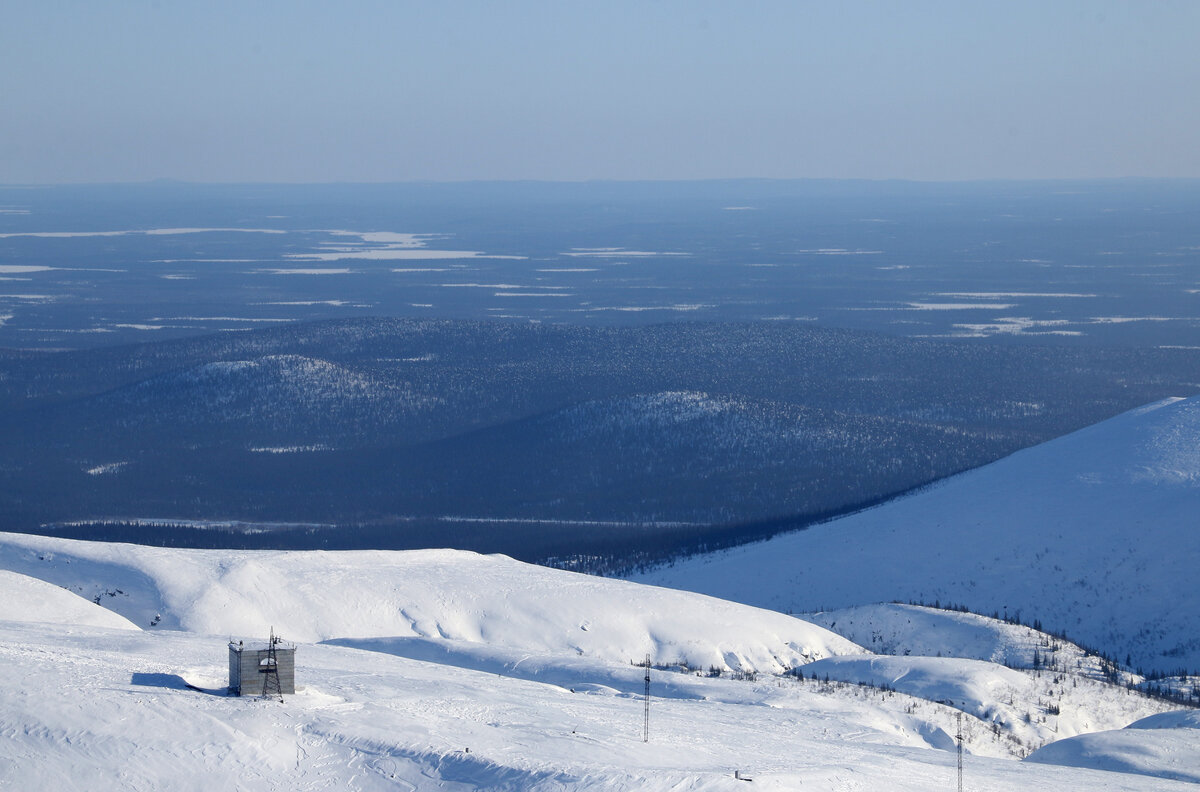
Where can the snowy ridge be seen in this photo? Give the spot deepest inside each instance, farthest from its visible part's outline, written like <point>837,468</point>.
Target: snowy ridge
<point>1032,707</point>
<point>27,599</point>
<point>442,594</point>
<point>1161,746</point>
<point>899,629</point>
<point>1092,534</point>
<point>451,670</point>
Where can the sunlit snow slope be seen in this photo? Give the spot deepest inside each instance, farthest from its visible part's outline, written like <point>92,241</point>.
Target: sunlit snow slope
<point>1094,534</point>
<point>27,599</point>
<point>1160,745</point>
<point>519,701</point>
<point>438,594</point>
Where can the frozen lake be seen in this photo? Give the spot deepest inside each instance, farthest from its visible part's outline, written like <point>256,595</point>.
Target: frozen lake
<point>1055,262</point>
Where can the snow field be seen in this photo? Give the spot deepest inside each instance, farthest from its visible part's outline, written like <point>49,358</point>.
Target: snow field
<point>1033,707</point>
<point>27,599</point>
<point>315,596</point>
<point>450,670</point>
<point>1092,534</point>
<point>109,708</point>
<point>507,660</point>
<point>900,629</point>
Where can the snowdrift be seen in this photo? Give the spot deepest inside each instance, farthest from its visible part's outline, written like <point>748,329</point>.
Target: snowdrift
<point>27,599</point>
<point>1161,746</point>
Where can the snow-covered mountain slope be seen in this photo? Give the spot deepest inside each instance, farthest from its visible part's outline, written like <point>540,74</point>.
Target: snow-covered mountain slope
<point>1163,746</point>
<point>1034,707</point>
<point>27,599</point>
<point>113,712</point>
<point>900,629</point>
<point>1178,719</point>
<point>1093,534</point>
<point>1010,712</point>
<point>446,594</point>
<point>463,672</point>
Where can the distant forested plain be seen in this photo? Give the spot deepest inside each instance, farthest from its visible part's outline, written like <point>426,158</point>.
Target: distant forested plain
<point>540,441</point>
<point>594,375</point>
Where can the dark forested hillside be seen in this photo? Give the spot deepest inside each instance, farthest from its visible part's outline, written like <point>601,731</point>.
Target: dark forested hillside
<point>526,438</point>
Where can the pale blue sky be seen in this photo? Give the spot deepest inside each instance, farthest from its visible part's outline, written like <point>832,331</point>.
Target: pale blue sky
<point>658,89</point>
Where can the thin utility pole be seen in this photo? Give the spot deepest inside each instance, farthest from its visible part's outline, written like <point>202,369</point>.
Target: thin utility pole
<point>646,718</point>
<point>959,738</point>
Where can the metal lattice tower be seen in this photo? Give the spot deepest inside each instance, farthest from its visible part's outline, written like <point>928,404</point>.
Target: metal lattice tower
<point>959,738</point>
<point>646,718</point>
<point>271,688</point>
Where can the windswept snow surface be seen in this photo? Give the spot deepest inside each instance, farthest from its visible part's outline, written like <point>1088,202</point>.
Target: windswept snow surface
<point>1178,719</point>
<point>469,673</point>
<point>444,594</point>
<point>113,712</point>
<point>1164,746</point>
<point>1035,707</point>
<point>1093,534</point>
<point>27,599</point>
<point>899,629</point>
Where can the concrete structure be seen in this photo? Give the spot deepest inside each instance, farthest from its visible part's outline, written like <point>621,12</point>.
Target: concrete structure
<point>248,667</point>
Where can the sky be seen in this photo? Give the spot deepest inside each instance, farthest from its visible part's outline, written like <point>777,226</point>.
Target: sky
<point>398,90</point>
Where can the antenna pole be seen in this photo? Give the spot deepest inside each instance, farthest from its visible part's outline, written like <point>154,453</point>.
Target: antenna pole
<point>959,738</point>
<point>271,687</point>
<point>646,714</point>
